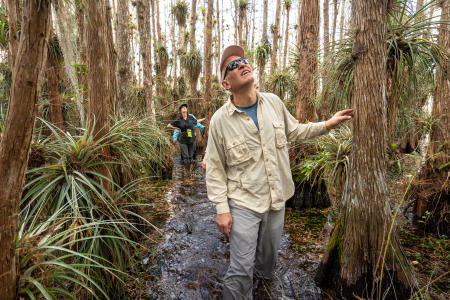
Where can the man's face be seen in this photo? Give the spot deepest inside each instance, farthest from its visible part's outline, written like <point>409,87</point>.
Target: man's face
<point>239,77</point>
<point>183,110</point>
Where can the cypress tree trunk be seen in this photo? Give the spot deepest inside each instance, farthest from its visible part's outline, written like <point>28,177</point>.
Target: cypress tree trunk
<point>333,34</point>
<point>114,90</point>
<point>123,53</point>
<point>353,262</point>
<point>208,55</point>
<point>265,12</point>
<point>158,25</point>
<point>192,24</point>
<point>13,35</point>
<point>29,64</point>
<point>308,46</point>
<point>273,61</point>
<point>326,29</point>
<point>432,184</point>
<point>99,76</point>
<point>286,35</point>
<point>54,98</point>
<point>342,21</point>
<point>143,12</point>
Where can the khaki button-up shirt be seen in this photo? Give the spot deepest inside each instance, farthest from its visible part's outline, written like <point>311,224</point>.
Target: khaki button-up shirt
<point>251,166</point>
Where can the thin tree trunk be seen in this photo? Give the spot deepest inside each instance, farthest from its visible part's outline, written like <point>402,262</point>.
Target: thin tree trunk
<point>218,39</point>
<point>432,185</point>
<point>352,264</point>
<point>158,24</point>
<point>13,35</point>
<point>326,29</point>
<point>54,98</point>
<point>143,12</point>
<point>273,61</point>
<point>114,89</point>
<point>240,26</point>
<point>208,54</point>
<point>308,46</point>
<point>286,36</point>
<point>153,17</point>
<point>174,54</point>
<point>236,20</point>
<point>265,12</point>
<point>342,21</point>
<point>31,55</point>
<point>326,53</point>
<point>123,53</point>
<point>253,25</point>
<point>193,21</point>
<point>333,34</point>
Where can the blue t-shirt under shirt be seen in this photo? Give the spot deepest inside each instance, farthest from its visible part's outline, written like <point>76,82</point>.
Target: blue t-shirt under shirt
<point>251,111</point>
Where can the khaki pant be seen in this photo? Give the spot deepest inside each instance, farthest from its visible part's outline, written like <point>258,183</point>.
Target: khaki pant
<point>254,242</point>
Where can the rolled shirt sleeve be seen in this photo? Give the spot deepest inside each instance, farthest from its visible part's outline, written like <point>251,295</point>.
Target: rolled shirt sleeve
<point>216,177</point>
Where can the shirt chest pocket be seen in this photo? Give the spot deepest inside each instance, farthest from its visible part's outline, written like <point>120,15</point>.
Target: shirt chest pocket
<point>237,151</point>
<point>280,135</point>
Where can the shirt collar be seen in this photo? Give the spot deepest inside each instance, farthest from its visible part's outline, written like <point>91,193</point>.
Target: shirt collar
<point>231,108</point>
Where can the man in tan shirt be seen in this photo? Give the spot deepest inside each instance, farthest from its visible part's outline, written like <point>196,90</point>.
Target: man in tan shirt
<point>248,173</point>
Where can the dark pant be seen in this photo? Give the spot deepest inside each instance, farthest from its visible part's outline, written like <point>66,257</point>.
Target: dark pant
<point>187,151</point>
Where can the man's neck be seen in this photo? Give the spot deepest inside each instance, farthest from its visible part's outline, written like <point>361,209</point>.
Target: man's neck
<point>245,97</point>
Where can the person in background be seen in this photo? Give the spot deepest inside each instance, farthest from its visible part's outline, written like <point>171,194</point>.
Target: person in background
<point>248,174</point>
<point>199,126</point>
<point>185,124</point>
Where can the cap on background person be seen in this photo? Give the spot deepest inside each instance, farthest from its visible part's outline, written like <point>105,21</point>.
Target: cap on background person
<point>182,105</point>
<point>233,50</point>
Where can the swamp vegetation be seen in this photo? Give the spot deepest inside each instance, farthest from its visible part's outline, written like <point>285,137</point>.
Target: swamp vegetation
<point>88,205</point>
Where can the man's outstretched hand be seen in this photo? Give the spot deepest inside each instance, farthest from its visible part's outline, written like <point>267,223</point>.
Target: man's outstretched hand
<point>338,118</point>
<point>224,222</point>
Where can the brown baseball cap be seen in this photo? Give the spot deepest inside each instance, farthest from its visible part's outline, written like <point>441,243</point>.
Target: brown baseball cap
<point>233,50</point>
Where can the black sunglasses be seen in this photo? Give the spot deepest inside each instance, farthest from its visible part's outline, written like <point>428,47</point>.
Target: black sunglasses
<point>234,64</point>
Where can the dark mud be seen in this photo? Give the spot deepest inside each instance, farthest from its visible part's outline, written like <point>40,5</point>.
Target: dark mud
<point>193,256</point>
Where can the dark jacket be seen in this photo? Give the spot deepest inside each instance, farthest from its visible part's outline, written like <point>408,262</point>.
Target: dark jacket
<point>187,135</point>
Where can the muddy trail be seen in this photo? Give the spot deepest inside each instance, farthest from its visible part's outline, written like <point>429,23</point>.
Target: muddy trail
<point>193,255</point>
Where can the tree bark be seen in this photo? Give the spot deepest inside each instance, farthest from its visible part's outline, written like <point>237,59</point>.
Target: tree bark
<point>342,21</point>
<point>31,55</point>
<point>54,98</point>
<point>193,21</point>
<point>218,39</point>
<point>286,36</point>
<point>326,29</point>
<point>81,77</point>
<point>273,61</point>
<point>174,54</point>
<point>265,12</point>
<point>13,34</point>
<point>114,89</point>
<point>158,25</point>
<point>208,55</point>
<point>143,13</point>
<point>123,53</point>
<point>432,184</point>
<point>99,77</point>
<point>352,264</point>
<point>308,46</point>
<point>333,34</point>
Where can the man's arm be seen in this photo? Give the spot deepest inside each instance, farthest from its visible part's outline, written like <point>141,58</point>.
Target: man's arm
<point>216,180</point>
<point>296,131</point>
